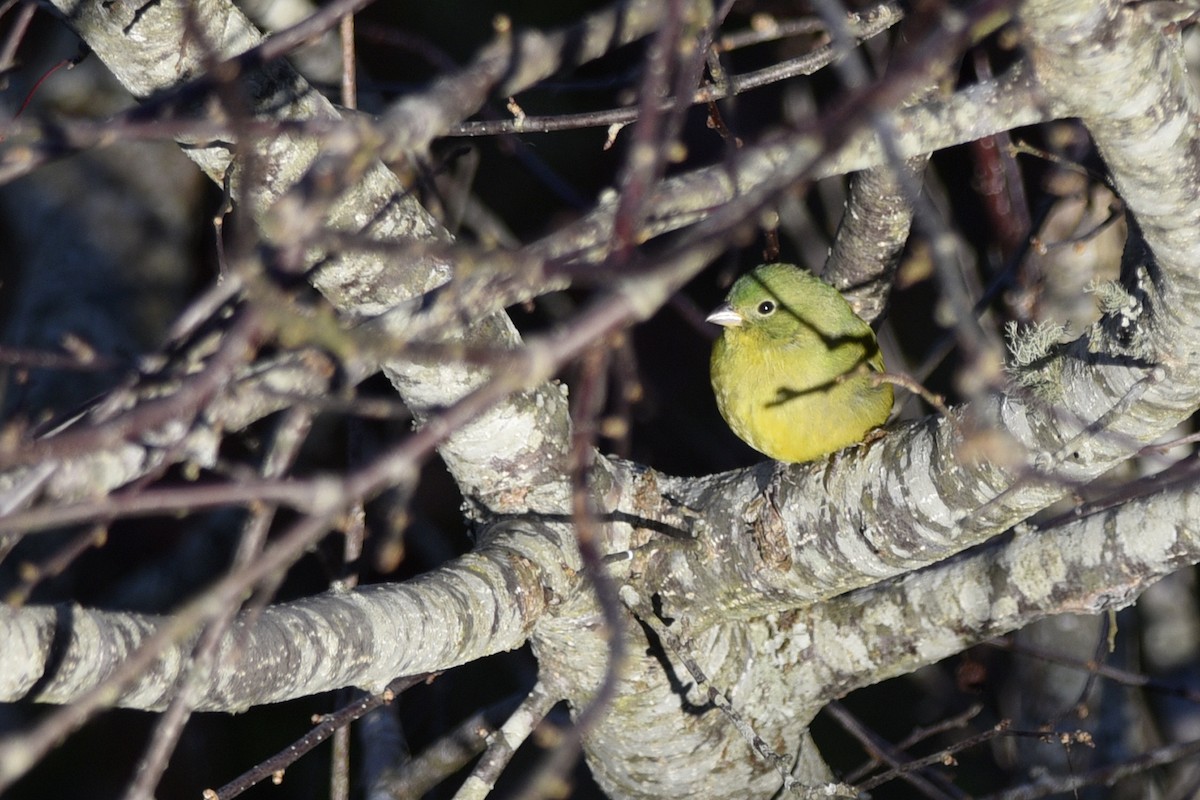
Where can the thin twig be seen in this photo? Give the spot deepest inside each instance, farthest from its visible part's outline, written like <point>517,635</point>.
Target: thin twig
<point>1099,669</point>
<point>882,751</point>
<point>879,20</point>
<point>1102,776</point>
<point>83,361</point>
<point>503,744</point>
<point>917,736</point>
<point>324,728</point>
<point>349,70</point>
<point>943,756</point>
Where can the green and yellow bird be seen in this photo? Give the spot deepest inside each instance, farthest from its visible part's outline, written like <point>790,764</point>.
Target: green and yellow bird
<point>791,369</point>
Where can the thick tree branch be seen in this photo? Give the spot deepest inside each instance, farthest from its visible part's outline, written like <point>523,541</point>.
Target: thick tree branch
<point>965,601</point>
<point>364,637</point>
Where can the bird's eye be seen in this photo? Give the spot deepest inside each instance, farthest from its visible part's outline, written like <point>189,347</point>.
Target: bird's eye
<point>766,307</point>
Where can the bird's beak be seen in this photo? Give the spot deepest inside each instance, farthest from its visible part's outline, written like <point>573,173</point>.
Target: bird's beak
<point>725,316</point>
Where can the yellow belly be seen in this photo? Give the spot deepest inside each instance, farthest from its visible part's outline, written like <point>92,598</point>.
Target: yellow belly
<point>796,417</point>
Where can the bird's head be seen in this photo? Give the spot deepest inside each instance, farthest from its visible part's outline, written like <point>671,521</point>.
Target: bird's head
<point>768,301</point>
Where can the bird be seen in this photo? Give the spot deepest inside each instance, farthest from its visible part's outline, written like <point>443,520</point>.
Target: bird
<point>792,367</point>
